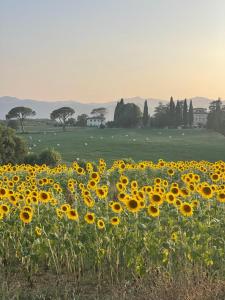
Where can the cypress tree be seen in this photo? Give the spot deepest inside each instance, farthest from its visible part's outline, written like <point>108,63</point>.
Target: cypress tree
<point>185,113</point>
<point>190,114</point>
<point>145,118</point>
<point>178,114</point>
<point>118,112</point>
<point>172,113</point>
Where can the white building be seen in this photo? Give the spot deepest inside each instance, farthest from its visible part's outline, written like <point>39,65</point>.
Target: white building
<point>200,117</point>
<point>95,121</point>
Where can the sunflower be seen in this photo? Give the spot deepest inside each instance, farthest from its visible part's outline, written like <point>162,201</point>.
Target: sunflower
<point>115,221</point>
<point>89,218</point>
<point>72,214</point>
<point>170,172</point>
<point>156,198</point>
<point>206,191</point>
<point>4,208</point>
<point>101,224</point>
<point>89,201</point>
<point>44,196</point>
<point>92,184</point>
<point>1,215</point>
<point>124,179</point>
<point>215,177</point>
<point>116,207</point>
<point>175,190</point>
<point>95,176</point>
<point>25,216</point>
<point>38,231</point>
<point>133,205</point>
<point>186,209</point>
<point>59,213</point>
<point>120,187</point>
<point>170,198</point>
<point>134,184</point>
<point>65,207</point>
<point>3,192</point>
<point>221,196</point>
<point>101,193</point>
<point>153,211</point>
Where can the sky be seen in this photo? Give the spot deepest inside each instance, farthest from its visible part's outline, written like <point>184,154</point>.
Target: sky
<point>102,50</point>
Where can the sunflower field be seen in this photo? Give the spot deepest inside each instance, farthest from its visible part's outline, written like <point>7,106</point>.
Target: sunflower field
<point>113,221</point>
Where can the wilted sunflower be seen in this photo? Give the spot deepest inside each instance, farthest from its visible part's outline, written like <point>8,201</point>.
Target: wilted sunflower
<point>153,211</point>
<point>186,209</point>
<point>89,218</point>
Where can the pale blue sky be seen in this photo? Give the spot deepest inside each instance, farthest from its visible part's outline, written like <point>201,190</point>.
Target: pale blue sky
<point>100,50</point>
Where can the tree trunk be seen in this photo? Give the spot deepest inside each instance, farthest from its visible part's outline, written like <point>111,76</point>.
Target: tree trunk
<point>21,124</point>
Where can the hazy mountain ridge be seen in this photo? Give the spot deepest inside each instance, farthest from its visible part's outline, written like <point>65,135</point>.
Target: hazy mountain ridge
<point>44,108</point>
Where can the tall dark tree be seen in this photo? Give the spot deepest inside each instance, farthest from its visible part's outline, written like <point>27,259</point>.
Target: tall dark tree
<point>172,113</point>
<point>178,111</point>
<point>145,118</point>
<point>20,113</point>
<point>62,115</point>
<point>82,120</point>
<point>185,113</point>
<point>216,116</point>
<point>118,112</point>
<point>190,114</point>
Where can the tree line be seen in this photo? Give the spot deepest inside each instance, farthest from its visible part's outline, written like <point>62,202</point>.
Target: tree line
<point>129,115</point>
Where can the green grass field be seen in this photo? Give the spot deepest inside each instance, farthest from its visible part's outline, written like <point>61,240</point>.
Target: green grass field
<point>138,144</point>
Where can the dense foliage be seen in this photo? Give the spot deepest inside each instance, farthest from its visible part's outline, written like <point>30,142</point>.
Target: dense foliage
<point>13,149</point>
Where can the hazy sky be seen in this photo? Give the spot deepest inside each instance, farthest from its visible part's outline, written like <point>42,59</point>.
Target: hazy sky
<point>101,50</point>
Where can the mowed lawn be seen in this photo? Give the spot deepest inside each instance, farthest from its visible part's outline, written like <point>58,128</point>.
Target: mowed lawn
<point>138,144</point>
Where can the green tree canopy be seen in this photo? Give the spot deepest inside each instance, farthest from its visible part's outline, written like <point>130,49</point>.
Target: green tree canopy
<point>99,112</point>
<point>62,114</point>
<point>13,149</point>
<point>20,113</point>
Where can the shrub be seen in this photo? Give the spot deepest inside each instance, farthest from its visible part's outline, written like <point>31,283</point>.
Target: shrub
<point>13,149</point>
<point>31,159</point>
<point>13,124</point>
<point>50,157</point>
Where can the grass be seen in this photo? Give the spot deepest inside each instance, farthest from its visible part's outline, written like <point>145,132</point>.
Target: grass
<point>138,144</point>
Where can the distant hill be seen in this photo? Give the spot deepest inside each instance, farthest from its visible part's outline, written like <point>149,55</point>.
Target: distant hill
<point>44,108</point>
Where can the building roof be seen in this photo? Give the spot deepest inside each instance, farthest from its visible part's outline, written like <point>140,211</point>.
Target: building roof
<point>96,118</point>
